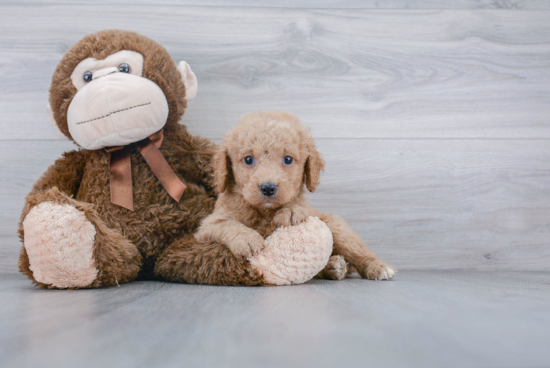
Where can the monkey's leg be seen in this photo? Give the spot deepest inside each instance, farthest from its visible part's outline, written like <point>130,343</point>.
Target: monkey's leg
<point>192,261</point>
<point>348,244</point>
<point>67,246</point>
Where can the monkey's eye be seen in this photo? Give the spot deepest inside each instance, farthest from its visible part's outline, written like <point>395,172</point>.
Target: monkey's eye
<point>124,68</point>
<point>287,160</point>
<point>87,77</point>
<point>248,160</point>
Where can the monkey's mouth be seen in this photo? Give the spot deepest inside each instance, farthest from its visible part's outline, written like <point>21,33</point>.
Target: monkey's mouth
<point>113,112</point>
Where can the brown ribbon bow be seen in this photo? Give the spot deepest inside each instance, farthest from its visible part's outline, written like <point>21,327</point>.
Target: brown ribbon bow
<point>121,171</point>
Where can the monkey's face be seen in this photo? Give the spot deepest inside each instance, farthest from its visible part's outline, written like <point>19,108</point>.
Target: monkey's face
<point>114,104</point>
<point>114,88</point>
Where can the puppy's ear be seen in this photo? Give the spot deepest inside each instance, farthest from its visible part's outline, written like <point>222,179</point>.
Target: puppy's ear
<point>222,166</point>
<point>314,166</point>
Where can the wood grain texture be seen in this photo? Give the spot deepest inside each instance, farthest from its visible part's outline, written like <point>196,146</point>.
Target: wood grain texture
<point>325,4</point>
<point>420,204</point>
<point>420,319</point>
<point>347,73</point>
<point>435,124</point>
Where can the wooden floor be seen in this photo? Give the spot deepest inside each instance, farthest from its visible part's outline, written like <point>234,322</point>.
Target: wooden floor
<point>421,319</point>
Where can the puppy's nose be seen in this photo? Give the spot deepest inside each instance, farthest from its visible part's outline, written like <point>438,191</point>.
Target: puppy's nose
<point>268,189</point>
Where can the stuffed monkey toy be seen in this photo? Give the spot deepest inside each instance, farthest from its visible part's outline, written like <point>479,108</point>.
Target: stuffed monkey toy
<point>125,204</point>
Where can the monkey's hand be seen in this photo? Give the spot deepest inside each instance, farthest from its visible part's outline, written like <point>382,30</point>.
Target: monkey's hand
<point>293,215</point>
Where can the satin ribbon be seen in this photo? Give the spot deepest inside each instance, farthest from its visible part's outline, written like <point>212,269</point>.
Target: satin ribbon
<point>121,170</point>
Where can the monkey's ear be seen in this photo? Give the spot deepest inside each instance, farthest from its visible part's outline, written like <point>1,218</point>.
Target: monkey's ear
<point>189,79</point>
<point>222,168</point>
<point>54,123</point>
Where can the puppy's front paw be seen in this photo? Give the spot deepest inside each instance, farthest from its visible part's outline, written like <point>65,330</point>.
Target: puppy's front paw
<point>377,270</point>
<point>247,244</point>
<point>288,217</point>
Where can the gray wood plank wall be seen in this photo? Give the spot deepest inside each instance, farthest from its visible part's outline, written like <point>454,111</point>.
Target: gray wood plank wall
<point>325,4</point>
<point>435,124</point>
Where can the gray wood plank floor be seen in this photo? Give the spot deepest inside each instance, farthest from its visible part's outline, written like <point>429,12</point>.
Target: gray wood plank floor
<point>421,319</point>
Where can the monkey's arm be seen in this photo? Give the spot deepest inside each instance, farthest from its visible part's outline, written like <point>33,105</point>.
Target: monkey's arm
<point>222,227</point>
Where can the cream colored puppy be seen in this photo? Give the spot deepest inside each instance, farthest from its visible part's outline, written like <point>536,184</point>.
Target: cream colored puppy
<point>261,169</point>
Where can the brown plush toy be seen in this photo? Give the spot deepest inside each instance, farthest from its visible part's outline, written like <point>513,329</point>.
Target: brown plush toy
<point>125,204</point>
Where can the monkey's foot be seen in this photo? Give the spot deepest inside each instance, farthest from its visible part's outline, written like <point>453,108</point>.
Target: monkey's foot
<point>294,254</point>
<point>59,242</point>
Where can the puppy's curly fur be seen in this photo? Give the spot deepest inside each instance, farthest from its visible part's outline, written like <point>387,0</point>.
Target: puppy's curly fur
<point>261,169</point>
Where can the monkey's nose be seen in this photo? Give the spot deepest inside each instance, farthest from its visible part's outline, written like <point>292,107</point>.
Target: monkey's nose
<point>268,189</point>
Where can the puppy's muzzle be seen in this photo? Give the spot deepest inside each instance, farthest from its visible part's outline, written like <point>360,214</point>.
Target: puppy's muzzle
<point>268,189</point>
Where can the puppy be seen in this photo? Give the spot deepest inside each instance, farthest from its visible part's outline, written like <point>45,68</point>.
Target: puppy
<point>260,170</point>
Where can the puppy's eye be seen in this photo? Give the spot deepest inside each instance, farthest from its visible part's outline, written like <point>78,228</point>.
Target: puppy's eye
<point>288,160</point>
<point>87,77</point>
<point>124,68</point>
<point>248,160</point>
